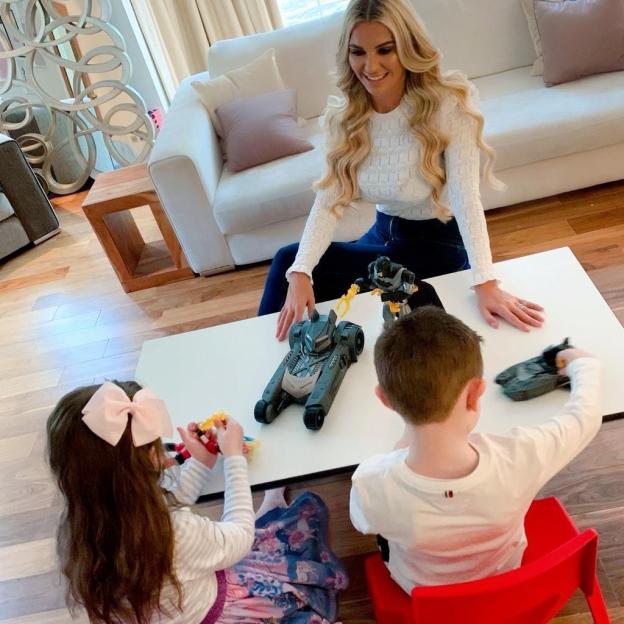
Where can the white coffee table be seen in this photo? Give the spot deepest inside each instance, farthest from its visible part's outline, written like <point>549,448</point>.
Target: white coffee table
<point>228,366</point>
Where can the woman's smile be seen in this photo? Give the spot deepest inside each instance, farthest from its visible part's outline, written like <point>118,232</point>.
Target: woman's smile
<point>374,60</point>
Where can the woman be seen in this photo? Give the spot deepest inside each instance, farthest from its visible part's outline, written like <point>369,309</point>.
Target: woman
<point>403,135</point>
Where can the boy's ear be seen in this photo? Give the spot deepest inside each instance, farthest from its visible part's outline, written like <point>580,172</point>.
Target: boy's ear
<point>476,388</point>
<point>381,395</point>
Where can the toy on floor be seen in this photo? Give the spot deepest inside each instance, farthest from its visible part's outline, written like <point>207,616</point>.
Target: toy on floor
<point>397,288</point>
<point>209,441</point>
<point>536,376</point>
<point>312,371</point>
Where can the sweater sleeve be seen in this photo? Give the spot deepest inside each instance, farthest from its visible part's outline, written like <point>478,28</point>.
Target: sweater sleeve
<point>546,449</point>
<point>318,232</point>
<point>463,178</point>
<point>187,485</point>
<point>204,545</point>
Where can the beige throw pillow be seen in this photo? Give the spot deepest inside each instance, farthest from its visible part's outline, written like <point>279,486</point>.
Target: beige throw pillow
<point>260,76</point>
<point>528,6</point>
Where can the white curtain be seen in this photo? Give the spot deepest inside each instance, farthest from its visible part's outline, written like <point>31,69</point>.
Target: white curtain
<point>179,32</point>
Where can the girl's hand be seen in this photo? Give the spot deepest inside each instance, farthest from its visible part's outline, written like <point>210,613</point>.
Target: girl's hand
<point>230,437</point>
<point>191,439</point>
<point>300,296</point>
<point>495,302</point>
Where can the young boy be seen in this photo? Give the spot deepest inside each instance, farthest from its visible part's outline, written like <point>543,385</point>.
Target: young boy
<point>451,502</point>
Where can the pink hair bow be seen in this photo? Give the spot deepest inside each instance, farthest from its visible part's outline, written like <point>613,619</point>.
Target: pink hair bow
<point>108,410</point>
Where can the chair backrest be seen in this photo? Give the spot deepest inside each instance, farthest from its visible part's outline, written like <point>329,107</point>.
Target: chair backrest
<point>532,593</point>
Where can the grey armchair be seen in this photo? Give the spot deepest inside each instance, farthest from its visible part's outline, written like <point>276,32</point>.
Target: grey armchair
<point>26,215</point>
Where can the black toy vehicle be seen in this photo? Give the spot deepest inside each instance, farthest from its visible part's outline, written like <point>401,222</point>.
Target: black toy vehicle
<point>311,373</point>
<point>534,377</point>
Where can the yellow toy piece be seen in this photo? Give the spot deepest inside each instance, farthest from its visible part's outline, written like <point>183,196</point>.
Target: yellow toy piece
<point>394,307</point>
<point>344,303</point>
<point>376,292</point>
<point>209,423</point>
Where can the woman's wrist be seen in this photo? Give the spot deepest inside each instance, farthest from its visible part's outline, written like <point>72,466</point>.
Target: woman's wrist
<point>297,275</point>
<point>488,286</point>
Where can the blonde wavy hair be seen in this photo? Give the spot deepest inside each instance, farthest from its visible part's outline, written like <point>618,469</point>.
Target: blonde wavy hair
<point>425,88</point>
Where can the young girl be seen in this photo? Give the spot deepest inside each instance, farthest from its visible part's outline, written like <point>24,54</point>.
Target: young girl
<point>133,551</point>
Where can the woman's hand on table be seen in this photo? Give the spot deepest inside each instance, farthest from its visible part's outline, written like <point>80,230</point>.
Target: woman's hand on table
<point>299,298</point>
<point>495,303</point>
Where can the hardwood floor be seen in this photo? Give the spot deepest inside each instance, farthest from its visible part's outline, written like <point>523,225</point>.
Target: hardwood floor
<point>65,320</point>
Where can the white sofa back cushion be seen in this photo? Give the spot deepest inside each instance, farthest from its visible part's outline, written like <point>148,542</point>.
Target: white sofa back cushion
<point>493,38</point>
<point>305,53</point>
<point>479,37</point>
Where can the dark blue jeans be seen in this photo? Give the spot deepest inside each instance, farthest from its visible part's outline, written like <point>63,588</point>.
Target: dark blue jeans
<point>428,248</point>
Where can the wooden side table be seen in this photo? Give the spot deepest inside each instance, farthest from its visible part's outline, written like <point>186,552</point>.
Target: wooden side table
<point>138,264</point>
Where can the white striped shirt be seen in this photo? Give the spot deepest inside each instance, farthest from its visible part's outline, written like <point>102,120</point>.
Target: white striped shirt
<point>203,546</point>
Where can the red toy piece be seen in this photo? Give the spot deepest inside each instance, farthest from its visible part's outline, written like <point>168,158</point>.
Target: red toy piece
<point>208,439</point>
<point>558,560</point>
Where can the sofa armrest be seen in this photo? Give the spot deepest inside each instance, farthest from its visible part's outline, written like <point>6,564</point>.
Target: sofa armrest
<point>28,200</point>
<point>185,166</point>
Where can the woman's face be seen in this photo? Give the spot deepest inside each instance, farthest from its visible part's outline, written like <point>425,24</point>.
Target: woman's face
<point>373,57</point>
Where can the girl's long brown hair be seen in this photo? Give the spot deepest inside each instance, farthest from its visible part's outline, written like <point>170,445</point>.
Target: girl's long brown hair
<point>115,538</point>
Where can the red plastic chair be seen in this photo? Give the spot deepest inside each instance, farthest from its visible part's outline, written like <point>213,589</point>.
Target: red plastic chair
<point>558,560</point>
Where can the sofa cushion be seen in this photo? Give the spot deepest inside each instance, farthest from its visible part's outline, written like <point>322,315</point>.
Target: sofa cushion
<point>526,122</point>
<point>12,236</point>
<point>259,76</point>
<point>478,37</point>
<point>261,128</point>
<point>275,191</point>
<point>305,53</point>
<point>580,38</point>
<point>6,210</point>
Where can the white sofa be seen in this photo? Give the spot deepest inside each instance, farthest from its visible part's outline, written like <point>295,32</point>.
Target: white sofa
<point>548,140</point>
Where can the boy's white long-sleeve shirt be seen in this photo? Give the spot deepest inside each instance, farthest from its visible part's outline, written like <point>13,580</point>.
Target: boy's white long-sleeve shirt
<point>203,546</point>
<point>436,539</point>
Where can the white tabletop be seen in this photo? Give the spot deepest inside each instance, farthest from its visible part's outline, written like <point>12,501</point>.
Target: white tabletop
<point>228,366</point>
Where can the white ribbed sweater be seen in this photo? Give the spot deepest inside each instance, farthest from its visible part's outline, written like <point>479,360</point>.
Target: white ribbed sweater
<point>202,546</point>
<point>390,177</point>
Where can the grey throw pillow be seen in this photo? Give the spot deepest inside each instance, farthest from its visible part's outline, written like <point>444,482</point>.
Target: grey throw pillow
<point>580,38</point>
<point>261,128</point>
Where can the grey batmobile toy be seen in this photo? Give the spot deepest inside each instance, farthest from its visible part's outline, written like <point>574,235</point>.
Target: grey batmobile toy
<point>536,376</point>
<point>312,371</point>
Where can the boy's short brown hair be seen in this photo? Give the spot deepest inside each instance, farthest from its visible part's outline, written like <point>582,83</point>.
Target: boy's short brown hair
<point>423,362</point>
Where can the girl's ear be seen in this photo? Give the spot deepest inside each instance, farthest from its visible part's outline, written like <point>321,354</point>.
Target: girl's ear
<point>381,395</point>
<point>153,455</point>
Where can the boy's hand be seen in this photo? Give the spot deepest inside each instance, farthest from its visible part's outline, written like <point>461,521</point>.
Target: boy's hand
<point>197,449</point>
<point>569,355</point>
<point>230,437</point>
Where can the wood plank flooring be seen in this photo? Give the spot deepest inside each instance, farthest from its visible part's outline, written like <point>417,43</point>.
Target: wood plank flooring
<point>65,320</point>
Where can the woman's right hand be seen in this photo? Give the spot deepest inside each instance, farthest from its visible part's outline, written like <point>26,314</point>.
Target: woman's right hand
<point>229,437</point>
<point>300,296</point>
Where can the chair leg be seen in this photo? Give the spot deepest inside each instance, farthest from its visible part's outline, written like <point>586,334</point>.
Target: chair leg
<point>597,605</point>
